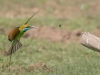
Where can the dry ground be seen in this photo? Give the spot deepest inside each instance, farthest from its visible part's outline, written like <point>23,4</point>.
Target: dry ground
<point>54,34</point>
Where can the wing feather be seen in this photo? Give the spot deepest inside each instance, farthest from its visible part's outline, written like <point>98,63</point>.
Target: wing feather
<point>14,48</point>
<point>13,33</point>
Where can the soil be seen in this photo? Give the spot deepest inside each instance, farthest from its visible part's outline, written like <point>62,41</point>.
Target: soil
<point>54,34</point>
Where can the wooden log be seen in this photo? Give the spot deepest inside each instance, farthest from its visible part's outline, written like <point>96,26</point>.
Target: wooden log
<point>90,41</point>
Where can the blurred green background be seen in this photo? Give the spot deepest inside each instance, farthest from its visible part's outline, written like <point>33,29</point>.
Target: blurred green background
<point>50,49</point>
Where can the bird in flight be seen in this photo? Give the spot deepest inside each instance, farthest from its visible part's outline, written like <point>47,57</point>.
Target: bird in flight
<point>59,25</point>
<point>15,35</point>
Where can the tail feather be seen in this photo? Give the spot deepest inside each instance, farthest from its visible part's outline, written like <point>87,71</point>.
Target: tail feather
<point>14,48</point>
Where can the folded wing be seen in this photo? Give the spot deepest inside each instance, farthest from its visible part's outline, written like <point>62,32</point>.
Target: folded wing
<point>13,33</point>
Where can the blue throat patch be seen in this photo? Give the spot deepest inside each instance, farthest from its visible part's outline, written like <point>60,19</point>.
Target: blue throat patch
<point>25,29</point>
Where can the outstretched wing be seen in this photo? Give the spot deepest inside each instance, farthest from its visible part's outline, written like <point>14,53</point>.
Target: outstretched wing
<point>13,33</point>
<point>14,48</point>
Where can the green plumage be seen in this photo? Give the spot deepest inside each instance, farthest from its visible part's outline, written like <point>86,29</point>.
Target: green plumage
<point>19,35</point>
<point>15,35</point>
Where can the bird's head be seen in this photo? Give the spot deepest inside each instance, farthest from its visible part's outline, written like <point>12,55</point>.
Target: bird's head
<point>25,28</point>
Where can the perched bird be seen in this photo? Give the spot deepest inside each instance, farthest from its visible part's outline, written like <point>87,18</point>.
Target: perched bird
<point>15,35</point>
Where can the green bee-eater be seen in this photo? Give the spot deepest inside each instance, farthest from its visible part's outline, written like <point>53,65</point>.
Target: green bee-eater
<point>15,35</point>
